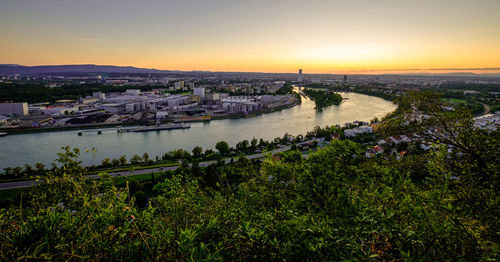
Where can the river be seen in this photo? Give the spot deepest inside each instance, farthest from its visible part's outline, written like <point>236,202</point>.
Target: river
<point>21,149</point>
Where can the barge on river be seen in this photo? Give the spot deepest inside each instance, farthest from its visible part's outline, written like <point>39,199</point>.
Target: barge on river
<point>169,126</point>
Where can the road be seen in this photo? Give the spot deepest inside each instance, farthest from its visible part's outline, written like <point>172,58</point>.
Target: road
<point>486,108</point>
<point>24,184</point>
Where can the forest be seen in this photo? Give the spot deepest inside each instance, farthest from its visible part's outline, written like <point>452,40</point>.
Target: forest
<point>323,98</point>
<point>39,93</point>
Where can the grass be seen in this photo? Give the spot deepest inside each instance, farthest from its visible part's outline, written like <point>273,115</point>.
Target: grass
<point>454,100</point>
<point>171,163</point>
<point>9,196</point>
<point>120,181</point>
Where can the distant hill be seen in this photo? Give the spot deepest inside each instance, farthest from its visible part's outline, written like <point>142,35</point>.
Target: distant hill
<point>79,70</point>
<point>63,69</point>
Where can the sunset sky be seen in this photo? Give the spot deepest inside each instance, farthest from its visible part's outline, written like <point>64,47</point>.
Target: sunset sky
<point>319,36</point>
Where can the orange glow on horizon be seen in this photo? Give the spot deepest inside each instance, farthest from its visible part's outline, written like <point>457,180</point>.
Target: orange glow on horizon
<point>255,36</point>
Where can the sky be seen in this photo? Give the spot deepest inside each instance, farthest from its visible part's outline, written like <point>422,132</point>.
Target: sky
<point>319,36</point>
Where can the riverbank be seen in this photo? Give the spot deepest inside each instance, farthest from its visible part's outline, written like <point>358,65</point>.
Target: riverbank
<point>43,147</point>
<point>15,131</point>
<point>140,170</point>
<point>358,90</point>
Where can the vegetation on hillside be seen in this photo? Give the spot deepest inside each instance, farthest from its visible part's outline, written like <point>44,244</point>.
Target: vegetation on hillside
<point>436,205</point>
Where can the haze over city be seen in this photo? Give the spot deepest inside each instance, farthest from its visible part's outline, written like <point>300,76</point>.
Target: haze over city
<point>256,36</point>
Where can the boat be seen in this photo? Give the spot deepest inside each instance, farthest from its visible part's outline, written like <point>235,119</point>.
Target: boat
<point>3,134</point>
<point>168,126</point>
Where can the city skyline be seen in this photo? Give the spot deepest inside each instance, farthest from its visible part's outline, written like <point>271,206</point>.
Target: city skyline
<point>282,36</point>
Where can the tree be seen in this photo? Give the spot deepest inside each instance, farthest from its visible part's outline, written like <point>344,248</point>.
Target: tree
<point>211,176</point>
<point>140,198</point>
<point>106,162</point>
<point>167,156</point>
<point>17,171</point>
<point>135,160</point>
<point>242,146</point>
<point>222,147</point>
<point>253,144</point>
<point>115,162</point>
<point>299,138</point>
<point>195,169</point>
<point>145,157</point>
<point>263,143</point>
<point>328,206</point>
<point>40,168</point>
<point>179,154</point>
<point>123,160</point>
<point>401,146</point>
<point>285,139</point>
<point>28,170</point>
<point>197,152</point>
<point>7,171</point>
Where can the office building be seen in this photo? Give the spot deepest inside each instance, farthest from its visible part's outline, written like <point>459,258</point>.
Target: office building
<point>179,85</point>
<point>199,91</point>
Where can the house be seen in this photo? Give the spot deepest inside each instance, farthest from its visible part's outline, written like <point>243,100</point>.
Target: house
<point>378,149</point>
<point>350,133</point>
<point>395,139</point>
<point>348,124</point>
<point>358,130</point>
<point>405,139</point>
<point>400,138</point>
<point>425,146</point>
<point>369,153</point>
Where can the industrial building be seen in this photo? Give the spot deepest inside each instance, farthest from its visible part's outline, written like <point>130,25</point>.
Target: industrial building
<point>17,109</point>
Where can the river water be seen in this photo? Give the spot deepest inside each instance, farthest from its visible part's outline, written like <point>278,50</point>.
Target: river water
<point>18,150</point>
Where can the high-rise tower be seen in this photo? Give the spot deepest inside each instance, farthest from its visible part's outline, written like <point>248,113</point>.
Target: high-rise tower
<point>300,79</point>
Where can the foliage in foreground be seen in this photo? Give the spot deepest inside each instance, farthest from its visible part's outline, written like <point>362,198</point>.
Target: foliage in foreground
<point>334,205</point>
<point>331,206</point>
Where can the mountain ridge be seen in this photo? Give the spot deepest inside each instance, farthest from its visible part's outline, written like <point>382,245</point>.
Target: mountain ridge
<point>77,68</point>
